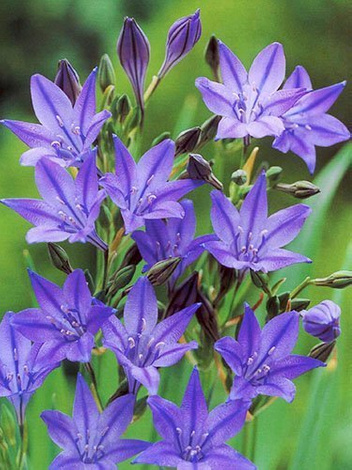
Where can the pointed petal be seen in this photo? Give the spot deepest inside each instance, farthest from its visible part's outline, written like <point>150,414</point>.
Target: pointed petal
<point>174,190</point>
<point>318,101</point>
<point>114,334</point>
<point>216,97</point>
<point>299,78</point>
<point>280,258</point>
<point>285,225</point>
<point>160,453</point>
<point>326,130</point>
<point>155,166</point>
<point>61,429</point>
<point>232,352</point>
<point>183,229</point>
<point>224,456</point>
<point>111,184</point>
<point>85,412</point>
<point>34,325</point>
<point>166,417</point>
<point>254,209</point>
<point>67,461</point>
<point>194,406</point>
<point>87,182</point>
<point>147,376</point>
<point>32,156</point>
<point>266,125</point>
<point>227,420</point>
<point>170,355</point>
<point>141,313</point>
<point>123,449</point>
<point>84,109</point>
<point>171,329</point>
<point>297,142</point>
<point>77,293</point>
<point>54,183</point>
<point>233,73</point>
<point>231,128</point>
<point>278,386</point>
<point>49,296</point>
<point>34,135</point>
<point>125,167</point>
<point>242,389</point>
<point>35,211</point>
<point>95,126</point>
<point>250,333</point>
<point>131,220</point>
<point>268,68</point>
<point>116,418</point>
<point>294,366</point>
<point>81,349</point>
<point>281,101</point>
<point>164,210</point>
<point>224,217</point>
<point>279,336</point>
<point>224,255</point>
<point>97,316</point>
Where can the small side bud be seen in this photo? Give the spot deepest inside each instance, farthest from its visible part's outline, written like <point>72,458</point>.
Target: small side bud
<point>299,190</point>
<point>212,57</point>
<point>299,304</point>
<point>68,80</point>
<point>132,256</point>
<point>59,258</point>
<point>122,108</point>
<point>206,317</point>
<point>160,138</point>
<point>260,280</point>
<point>322,351</point>
<point>184,295</point>
<point>200,169</point>
<point>273,174</point>
<point>161,271</point>
<point>338,280</point>
<point>187,141</point>
<point>106,73</point>
<point>273,307</point>
<point>239,177</point>
<point>283,299</point>
<point>227,279</point>
<point>209,130</point>
<point>121,278</point>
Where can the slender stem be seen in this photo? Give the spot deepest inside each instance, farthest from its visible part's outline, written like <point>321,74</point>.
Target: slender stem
<point>245,442</point>
<point>300,287</point>
<point>94,385</point>
<point>106,269</point>
<point>151,88</point>
<point>23,443</point>
<point>254,439</point>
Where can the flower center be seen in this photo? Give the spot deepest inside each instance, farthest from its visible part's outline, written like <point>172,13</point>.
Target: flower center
<point>90,447</point>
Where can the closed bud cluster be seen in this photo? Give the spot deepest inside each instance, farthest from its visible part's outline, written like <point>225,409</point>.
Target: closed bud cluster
<point>106,73</point>
<point>239,177</point>
<point>162,271</point>
<point>59,258</point>
<point>338,280</point>
<point>68,80</point>
<point>187,141</point>
<point>299,190</point>
<point>200,169</point>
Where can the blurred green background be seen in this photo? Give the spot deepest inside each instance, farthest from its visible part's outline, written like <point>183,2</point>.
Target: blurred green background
<point>316,430</point>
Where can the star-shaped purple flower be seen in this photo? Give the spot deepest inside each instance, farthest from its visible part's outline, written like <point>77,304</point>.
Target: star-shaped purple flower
<point>249,239</point>
<point>23,367</point>
<point>91,439</point>
<point>193,438</point>
<point>69,207</point>
<point>141,345</point>
<point>172,238</point>
<point>65,133</point>
<point>67,320</point>
<point>249,103</point>
<point>142,190</point>
<point>262,359</point>
<point>307,123</point>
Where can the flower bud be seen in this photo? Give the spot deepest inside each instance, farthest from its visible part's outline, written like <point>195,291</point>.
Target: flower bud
<point>161,271</point>
<point>106,73</point>
<point>299,190</point>
<point>184,295</point>
<point>322,351</point>
<point>272,307</point>
<point>209,130</point>
<point>299,304</point>
<point>199,169</point>
<point>206,317</point>
<point>134,51</point>
<point>187,141</point>
<point>181,38</point>
<point>121,278</point>
<point>227,279</point>
<point>283,299</point>
<point>260,280</point>
<point>59,258</point>
<point>239,177</point>
<point>323,321</point>
<point>121,108</point>
<point>337,280</point>
<point>273,174</point>
<point>212,57</point>
<point>165,135</point>
<point>132,256</point>
<point>68,80</point>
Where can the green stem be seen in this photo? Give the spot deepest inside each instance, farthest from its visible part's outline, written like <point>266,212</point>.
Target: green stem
<point>254,439</point>
<point>23,444</point>
<point>94,385</point>
<point>245,442</point>
<point>300,287</point>
<point>151,88</point>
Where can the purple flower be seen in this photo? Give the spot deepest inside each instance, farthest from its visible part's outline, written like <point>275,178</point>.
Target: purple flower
<point>182,37</point>
<point>134,51</point>
<point>91,439</point>
<point>23,367</point>
<point>65,133</point>
<point>193,438</point>
<point>307,124</point>
<point>249,103</point>
<point>249,239</point>
<point>68,80</point>
<point>69,207</point>
<point>141,345</point>
<point>142,190</point>
<point>262,359</point>
<point>67,318</point>
<point>172,238</point>
<point>323,321</point>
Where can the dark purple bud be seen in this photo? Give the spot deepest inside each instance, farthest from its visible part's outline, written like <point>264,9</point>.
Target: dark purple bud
<point>59,258</point>
<point>134,51</point>
<point>206,317</point>
<point>209,130</point>
<point>187,141</point>
<point>212,57</point>
<point>68,80</point>
<point>323,321</point>
<point>299,304</point>
<point>184,295</point>
<point>161,271</point>
<point>299,190</point>
<point>182,37</point>
<point>132,257</point>
<point>322,351</point>
<point>200,169</point>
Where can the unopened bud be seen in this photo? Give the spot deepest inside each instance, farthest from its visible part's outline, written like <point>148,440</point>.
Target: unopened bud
<point>227,278</point>
<point>299,304</point>
<point>272,307</point>
<point>337,280</point>
<point>239,177</point>
<point>184,295</point>
<point>59,258</point>
<point>212,57</point>
<point>121,278</point>
<point>273,174</point>
<point>322,351</point>
<point>283,299</point>
<point>161,271</point>
<point>209,130</point>
<point>206,317</point>
<point>106,73</point>
<point>260,280</point>
<point>68,80</point>
<point>132,256</point>
<point>299,190</point>
<point>187,141</point>
<point>199,169</point>
<point>122,108</point>
<point>160,138</point>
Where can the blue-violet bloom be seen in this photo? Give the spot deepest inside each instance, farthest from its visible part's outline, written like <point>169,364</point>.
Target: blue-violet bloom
<point>23,366</point>
<point>69,207</point>
<point>142,190</point>
<point>307,123</point>
<point>91,439</point>
<point>65,133</point>
<point>249,239</point>
<point>249,103</point>
<point>141,345</point>
<point>262,359</point>
<point>193,438</point>
<point>67,318</point>
<point>323,321</point>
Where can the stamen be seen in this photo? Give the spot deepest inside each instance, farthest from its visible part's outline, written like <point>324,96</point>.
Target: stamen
<point>59,120</point>
<point>271,350</point>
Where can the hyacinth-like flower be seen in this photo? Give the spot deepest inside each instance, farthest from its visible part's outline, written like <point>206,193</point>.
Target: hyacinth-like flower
<point>307,123</point>
<point>67,318</point>
<point>69,207</point>
<point>249,103</point>
<point>23,366</point>
<point>141,345</point>
<point>181,38</point>
<point>262,359</point>
<point>91,439</point>
<point>170,239</point>
<point>134,52</point>
<point>65,133</point>
<point>323,321</point>
<point>142,190</point>
<point>249,239</point>
<point>68,80</point>
<point>193,438</point>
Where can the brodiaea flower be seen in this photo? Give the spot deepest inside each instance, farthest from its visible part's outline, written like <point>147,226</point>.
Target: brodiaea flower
<point>307,123</point>
<point>23,367</point>
<point>142,190</point>
<point>66,132</point>
<point>67,320</point>
<point>91,439</point>
<point>141,345</point>
<point>262,359</point>
<point>193,438</point>
<point>323,321</point>
<point>249,103</point>
<point>249,239</point>
<point>69,207</point>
